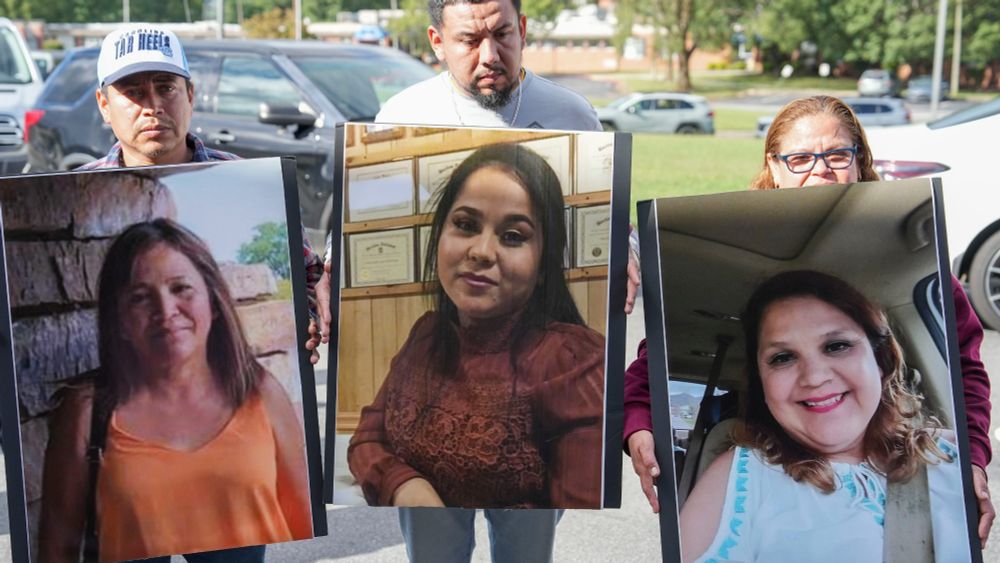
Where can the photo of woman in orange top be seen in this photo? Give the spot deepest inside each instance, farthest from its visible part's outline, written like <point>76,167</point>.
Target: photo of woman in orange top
<point>203,447</point>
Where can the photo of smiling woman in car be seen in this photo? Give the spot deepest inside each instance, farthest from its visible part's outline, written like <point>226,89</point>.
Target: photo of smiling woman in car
<point>496,398</point>
<point>826,423</point>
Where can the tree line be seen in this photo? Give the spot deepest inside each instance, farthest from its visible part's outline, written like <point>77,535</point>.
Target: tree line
<point>850,35</point>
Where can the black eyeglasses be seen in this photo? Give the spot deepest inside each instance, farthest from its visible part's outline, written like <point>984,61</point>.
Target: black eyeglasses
<point>835,159</point>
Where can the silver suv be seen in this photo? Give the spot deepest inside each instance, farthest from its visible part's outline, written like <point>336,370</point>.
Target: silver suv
<point>658,112</point>
<point>877,82</point>
<point>20,83</point>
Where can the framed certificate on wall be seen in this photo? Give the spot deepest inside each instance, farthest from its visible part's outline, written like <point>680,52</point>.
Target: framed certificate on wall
<point>592,235</point>
<point>380,191</point>
<point>381,258</point>
<point>595,155</point>
<point>433,174</point>
<point>555,151</point>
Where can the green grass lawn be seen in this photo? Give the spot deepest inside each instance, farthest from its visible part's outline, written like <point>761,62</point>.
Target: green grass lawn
<point>726,84</point>
<point>720,84</point>
<point>680,165</point>
<point>727,119</point>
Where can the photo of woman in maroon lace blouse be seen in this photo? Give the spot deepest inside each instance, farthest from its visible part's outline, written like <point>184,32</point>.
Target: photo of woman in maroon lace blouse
<point>496,399</point>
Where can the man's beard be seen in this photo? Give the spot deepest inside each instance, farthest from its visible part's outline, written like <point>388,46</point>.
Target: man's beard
<point>496,99</point>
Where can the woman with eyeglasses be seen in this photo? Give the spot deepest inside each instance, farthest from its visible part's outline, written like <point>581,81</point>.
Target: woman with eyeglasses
<point>816,141</point>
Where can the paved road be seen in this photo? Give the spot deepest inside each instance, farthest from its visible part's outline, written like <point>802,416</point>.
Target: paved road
<point>764,101</point>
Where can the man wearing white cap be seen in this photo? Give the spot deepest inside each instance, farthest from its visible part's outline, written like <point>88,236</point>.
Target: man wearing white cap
<point>147,97</point>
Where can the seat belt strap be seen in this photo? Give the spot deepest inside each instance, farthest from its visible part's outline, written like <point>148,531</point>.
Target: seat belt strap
<point>908,530</point>
<point>698,433</point>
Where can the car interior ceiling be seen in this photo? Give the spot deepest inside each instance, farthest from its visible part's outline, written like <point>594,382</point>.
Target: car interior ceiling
<point>715,250</point>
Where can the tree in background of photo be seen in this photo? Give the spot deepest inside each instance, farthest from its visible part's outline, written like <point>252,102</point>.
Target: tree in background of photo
<point>268,246</point>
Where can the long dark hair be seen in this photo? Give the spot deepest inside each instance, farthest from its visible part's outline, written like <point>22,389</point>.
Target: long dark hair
<point>898,437</point>
<point>229,355</point>
<point>551,299</point>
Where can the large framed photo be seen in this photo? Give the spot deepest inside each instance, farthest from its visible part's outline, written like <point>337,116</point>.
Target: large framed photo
<point>494,379</point>
<point>805,376</point>
<point>155,387</point>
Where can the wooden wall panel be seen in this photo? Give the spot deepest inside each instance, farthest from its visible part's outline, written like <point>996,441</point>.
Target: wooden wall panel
<point>597,305</point>
<point>355,386</point>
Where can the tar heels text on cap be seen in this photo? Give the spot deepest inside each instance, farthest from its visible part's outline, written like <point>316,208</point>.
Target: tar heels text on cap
<point>143,40</point>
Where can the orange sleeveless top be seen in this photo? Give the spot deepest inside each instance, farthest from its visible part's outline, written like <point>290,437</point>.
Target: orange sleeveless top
<point>153,500</point>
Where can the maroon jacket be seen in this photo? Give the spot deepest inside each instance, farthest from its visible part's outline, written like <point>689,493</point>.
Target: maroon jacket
<point>975,380</point>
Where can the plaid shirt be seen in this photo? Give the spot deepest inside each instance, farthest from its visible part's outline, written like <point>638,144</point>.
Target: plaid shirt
<point>201,153</point>
<point>115,158</point>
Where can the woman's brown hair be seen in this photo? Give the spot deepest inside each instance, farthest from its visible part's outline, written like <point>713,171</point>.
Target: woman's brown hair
<point>805,107</point>
<point>898,438</point>
<point>229,355</point>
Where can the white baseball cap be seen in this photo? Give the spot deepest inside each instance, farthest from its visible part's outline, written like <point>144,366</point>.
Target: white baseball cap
<point>140,48</point>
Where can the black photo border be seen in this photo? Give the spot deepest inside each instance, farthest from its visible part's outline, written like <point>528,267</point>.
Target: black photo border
<point>10,421</point>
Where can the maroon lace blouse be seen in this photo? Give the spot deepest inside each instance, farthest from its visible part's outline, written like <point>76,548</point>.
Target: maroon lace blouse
<point>490,436</point>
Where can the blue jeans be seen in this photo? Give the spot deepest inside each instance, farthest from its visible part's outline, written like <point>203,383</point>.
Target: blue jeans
<point>250,554</point>
<point>447,535</point>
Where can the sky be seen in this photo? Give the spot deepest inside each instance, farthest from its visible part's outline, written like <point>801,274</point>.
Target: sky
<point>222,203</point>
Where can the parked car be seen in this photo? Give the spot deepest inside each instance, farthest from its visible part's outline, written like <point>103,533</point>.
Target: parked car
<point>877,82</point>
<point>20,83</point>
<point>659,112</point>
<point>870,112</point>
<point>919,89</point>
<point>47,61</point>
<point>252,98</point>
<point>960,149</point>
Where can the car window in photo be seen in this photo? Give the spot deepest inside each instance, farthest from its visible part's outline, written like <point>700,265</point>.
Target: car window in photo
<point>358,87</point>
<point>685,402</point>
<point>247,82</point>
